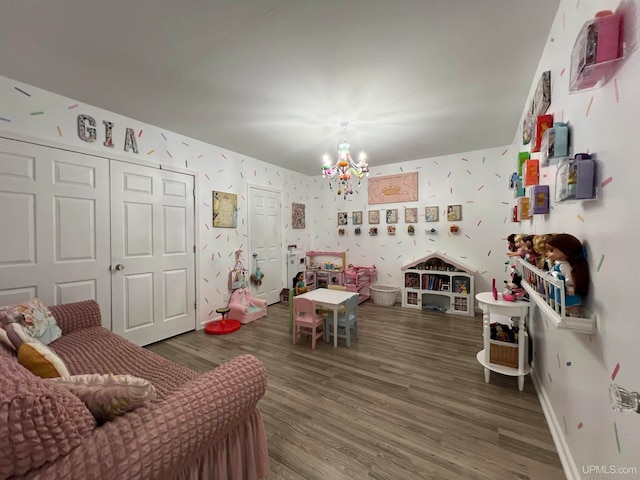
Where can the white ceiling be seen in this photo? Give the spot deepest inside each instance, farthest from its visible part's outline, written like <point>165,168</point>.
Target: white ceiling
<point>273,79</point>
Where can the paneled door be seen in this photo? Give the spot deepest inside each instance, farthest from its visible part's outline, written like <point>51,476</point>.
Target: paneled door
<point>153,260</point>
<point>265,241</point>
<point>54,220</point>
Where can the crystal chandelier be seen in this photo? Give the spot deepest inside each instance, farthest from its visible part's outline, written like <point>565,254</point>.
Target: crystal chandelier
<point>343,171</point>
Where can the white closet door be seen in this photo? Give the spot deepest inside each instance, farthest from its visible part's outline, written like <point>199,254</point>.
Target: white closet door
<point>54,220</point>
<point>152,231</point>
<point>265,240</point>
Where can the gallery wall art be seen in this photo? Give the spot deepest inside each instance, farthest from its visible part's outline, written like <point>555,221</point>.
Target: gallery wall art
<point>402,187</point>
<point>298,215</point>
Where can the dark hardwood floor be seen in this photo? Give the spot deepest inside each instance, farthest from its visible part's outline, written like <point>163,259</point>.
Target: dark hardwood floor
<point>407,401</point>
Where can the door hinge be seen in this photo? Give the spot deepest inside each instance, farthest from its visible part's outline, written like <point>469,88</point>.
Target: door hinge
<point>194,193</point>
<point>194,249</point>
<point>195,304</point>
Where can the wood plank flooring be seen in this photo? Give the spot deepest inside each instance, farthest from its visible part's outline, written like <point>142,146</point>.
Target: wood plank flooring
<point>407,401</point>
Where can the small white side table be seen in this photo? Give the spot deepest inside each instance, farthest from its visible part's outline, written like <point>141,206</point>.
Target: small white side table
<point>518,309</point>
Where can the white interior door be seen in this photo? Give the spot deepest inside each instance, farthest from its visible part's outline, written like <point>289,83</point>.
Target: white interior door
<point>265,240</point>
<point>54,215</point>
<point>153,259</point>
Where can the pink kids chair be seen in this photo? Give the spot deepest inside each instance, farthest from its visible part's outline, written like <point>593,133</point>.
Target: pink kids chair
<point>306,321</point>
<point>246,308</point>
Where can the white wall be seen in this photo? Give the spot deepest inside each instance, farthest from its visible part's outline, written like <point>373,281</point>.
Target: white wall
<point>574,370</point>
<point>47,118</point>
<point>476,180</point>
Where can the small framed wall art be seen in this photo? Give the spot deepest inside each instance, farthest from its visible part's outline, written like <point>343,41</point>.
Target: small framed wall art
<point>431,214</point>
<point>454,213</point>
<point>356,218</point>
<point>342,218</point>
<point>225,209</point>
<point>374,217</point>
<point>410,215</point>
<point>392,215</point>
<point>297,215</point>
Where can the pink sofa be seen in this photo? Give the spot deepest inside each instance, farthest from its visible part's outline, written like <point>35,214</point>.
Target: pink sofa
<point>246,308</point>
<point>201,426</point>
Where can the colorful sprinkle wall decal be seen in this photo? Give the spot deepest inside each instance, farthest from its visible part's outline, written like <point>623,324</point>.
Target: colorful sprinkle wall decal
<point>581,218</point>
<point>5,119</point>
<point>36,113</point>
<point>615,429</point>
<point>164,136</point>
<point>615,84</point>
<point>506,150</point>
<point>580,425</point>
<point>59,130</point>
<point>600,262</point>
<point>616,369</point>
<point>169,153</point>
<point>22,91</point>
<point>589,107</point>
<point>140,133</point>
<point>71,107</point>
<point>223,156</point>
<point>150,152</point>
<point>607,181</point>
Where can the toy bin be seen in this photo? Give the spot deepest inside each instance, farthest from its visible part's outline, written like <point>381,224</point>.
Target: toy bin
<point>503,353</point>
<point>384,295</point>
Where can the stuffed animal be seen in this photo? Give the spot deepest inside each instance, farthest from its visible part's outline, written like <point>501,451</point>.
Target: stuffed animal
<point>257,276</point>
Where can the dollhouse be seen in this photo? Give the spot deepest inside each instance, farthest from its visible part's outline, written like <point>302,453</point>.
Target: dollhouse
<point>437,282</point>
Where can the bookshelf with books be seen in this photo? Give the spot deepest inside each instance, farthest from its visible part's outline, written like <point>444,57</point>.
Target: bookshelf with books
<point>440,283</point>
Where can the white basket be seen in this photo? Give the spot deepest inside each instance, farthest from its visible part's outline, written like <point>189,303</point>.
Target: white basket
<point>383,295</point>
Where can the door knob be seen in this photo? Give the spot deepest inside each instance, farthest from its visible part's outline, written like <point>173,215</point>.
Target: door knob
<point>119,266</point>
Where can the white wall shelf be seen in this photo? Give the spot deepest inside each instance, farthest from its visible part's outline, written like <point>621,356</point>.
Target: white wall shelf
<point>539,285</point>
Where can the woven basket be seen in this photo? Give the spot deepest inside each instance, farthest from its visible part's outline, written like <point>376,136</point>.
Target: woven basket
<point>506,355</point>
<point>383,295</point>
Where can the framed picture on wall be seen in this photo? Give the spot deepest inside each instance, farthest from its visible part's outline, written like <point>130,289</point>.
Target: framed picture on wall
<point>374,217</point>
<point>225,209</point>
<point>392,215</point>
<point>297,215</point>
<point>431,214</point>
<point>356,218</point>
<point>342,218</point>
<point>454,213</point>
<point>410,215</point>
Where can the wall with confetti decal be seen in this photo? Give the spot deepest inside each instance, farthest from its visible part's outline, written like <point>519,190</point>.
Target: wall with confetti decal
<point>574,371</point>
<point>476,181</point>
<point>51,119</point>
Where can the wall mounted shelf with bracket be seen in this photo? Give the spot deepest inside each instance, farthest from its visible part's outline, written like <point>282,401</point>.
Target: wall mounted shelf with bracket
<point>540,285</point>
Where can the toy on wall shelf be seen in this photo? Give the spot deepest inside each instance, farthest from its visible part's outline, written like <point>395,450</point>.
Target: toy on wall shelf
<point>531,173</point>
<point>454,228</point>
<point>575,178</point>
<point>540,199</point>
<point>596,51</point>
<point>569,264</point>
<point>543,122</point>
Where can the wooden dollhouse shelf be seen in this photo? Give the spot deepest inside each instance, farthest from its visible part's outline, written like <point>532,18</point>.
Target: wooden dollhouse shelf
<point>540,287</point>
<point>437,282</point>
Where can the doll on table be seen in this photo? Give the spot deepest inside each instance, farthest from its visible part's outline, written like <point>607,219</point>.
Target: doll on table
<point>569,263</point>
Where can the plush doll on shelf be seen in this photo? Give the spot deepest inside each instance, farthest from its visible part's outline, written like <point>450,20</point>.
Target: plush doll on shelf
<point>570,264</point>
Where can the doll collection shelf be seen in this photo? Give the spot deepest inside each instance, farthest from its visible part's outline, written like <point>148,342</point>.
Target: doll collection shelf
<point>538,285</point>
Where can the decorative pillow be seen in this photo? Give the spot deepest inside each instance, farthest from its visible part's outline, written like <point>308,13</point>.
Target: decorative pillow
<point>41,360</point>
<point>39,321</point>
<point>109,396</point>
<point>4,338</point>
<point>9,314</point>
<point>18,335</point>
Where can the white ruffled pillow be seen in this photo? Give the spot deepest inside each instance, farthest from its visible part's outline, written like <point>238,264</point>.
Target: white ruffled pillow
<point>108,396</point>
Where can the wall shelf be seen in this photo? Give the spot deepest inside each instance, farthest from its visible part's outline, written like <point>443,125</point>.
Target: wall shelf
<point>539,285</point>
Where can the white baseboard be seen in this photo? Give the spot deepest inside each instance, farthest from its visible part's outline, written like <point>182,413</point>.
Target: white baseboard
<point>557,432</point>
